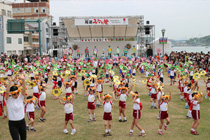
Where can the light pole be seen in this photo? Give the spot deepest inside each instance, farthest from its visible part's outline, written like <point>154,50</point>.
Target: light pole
<point>163,32</point>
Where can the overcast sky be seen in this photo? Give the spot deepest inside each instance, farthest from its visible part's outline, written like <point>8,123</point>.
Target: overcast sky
<point>182,19</point>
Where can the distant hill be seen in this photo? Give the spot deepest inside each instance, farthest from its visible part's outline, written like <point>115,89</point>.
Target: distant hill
<point>205,41</point>
<point>202,41</point>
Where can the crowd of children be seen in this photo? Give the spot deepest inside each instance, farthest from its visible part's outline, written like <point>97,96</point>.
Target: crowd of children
<point>99,71</point>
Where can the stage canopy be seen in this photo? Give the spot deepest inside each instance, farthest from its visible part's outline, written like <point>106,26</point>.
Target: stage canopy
<point>102,27</point>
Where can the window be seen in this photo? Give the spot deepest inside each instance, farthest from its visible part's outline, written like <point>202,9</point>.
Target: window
<point>47,30</point>
<point>37,11</point>
<point>43,10</point>
<point>9,40</point>
<point>3,12</point>
<point>19,40</point>
<point>9,14</point>
<point>26,39</point>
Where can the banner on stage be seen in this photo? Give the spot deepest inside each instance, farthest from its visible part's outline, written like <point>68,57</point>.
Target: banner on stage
<point>102,21</point>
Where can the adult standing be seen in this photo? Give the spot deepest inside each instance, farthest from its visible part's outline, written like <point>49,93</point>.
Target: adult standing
<point>149,52</point>
<point>70,51</point>
<point>15,106</point>
<point>86,52</point>
<point>110,51</point>
<point>134,50</point>
<point>118,51</point>
<point>125,51</point>
<point>95,51</point>
<point>78,52</point>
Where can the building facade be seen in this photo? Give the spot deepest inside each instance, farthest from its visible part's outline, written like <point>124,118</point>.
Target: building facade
<point>31,9</point>
<point>9,43</point>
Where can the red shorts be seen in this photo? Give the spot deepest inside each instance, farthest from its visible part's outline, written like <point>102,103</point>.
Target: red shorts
<point>137,114</point>
<point>41,103</point>
<point>72,88</point>
<point>208,88</point>
<point>1,104</point>
<point>91,105</point>
<point>48,70</point>
<point>163,115</point>
<point>186,95</point>
<point>30,115</point>
<point>36,95</point>
<point>68,94</point>
<point>154,96</point>
<point>107,116</point>
<point>196,114</point>
<point>122,104</point>
<point>69,116</point>
<point>182,89</point>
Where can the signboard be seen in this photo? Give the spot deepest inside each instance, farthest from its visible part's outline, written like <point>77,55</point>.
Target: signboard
<point>102,21</point>
<point>163,40</point>
<point>0,23</point>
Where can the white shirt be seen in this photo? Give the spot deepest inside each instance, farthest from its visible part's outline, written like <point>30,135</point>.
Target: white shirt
<point>134,70</point>
<point>208,85</point>
<point>191,73</point>
<point>36,89</point>
<point>123,97</point>
<point>42,96</point>
<point>91,97</point>
<point>158,95</point>
<point>108,107</point>
<point>164,106</point>
<point>136,106</point>
<point>153,91</point>
<point>196,106</point>
<point>68,107</point>
<point>68,90</point>
<point>1,98</point>
<point>30,107</point>
<point>9,72</point>
<point>32,74</point>
<point>99,87</point>
<point>147,73</point>
<point>171,73</point>
<point>95,63</point>
<point>185,89</point>
<point>15,108</point>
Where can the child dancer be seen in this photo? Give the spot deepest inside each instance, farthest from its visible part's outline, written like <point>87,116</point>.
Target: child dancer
<point>196,111</point>
<point>68,107</point>
<point>2,100</point>
<point>137,107</point>
<point>207,88</point>
<point>42,98</point>
<point>107,112</point>
<point>153,96</point>
<point>163,112</point>
<point>91,104</point>
<point>122,102</point>
<point>99,88</point>
<point>30,108</point>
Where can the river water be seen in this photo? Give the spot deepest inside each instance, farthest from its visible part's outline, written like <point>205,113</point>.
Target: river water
<point>205,49</point>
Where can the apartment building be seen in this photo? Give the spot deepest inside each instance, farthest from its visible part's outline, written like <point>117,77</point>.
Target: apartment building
<point>9,43</point>
<point>31,9</point>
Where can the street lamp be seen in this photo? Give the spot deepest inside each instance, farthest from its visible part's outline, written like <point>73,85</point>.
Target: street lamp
<point>163,32</point>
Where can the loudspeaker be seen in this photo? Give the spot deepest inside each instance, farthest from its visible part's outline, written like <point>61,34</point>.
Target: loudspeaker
<point>55,32</point>
<point>147,30</point>
<point>55,53</point>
